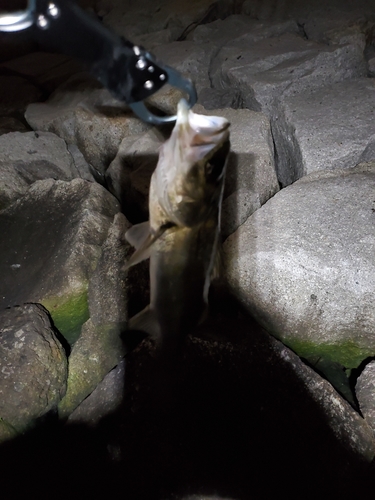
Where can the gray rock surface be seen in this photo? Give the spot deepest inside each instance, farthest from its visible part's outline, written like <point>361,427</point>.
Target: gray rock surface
<point>104,400</point>
<point>54,237</point>
<point>96,352</point>
<point>251,177</point>
<point>303,264</point>
<point>28,157</point>
<point>347,425</point>
<point>273,68</point>
<point>107,293</point>
<point>128,176</point>
<point>365,392</point>
<point>326,129</point>
<point>33,367</point>
<point>84,114</point>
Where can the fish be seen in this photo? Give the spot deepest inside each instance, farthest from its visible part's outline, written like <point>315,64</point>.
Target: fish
<point>182,235</point>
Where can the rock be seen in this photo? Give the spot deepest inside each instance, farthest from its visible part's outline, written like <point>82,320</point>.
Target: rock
<point>107,295</point>
<point>251,176</point>
<point>346,424</point>
<point>28,157</point>
<point>104,400</point>
<point>220,98</point>
<point>303,265</point>
<point>326,129</point>
<point>132,21</point>
<point>220,32</point>
<point>45,70</point>
<point>365,392</point>
<point>88,116</point>
<point>96,352</point>
<point>129,174</point>
<point>33,367</point>
<point>11,124</point>
<point>16,93</point>
<point>81,165</point>
<point>271,69</point>
<point>54,237</point>
<point>191,59</point>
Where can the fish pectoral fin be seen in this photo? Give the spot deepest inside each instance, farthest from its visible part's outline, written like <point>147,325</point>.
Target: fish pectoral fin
<point>137,234</point>
<point>145,321</point>
<point>144,251</point>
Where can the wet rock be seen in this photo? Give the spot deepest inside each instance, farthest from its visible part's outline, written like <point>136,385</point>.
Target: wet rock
<point>88,116</point>
<point>251,176</point>
<point>365,392</point>
<point>104,400</point>
<point>33,367</point>
<point>28,157</point>
<point>98,350</point>
<point>303,265</point>
<point>326,129</point>
<point>54,237</point>
<point>285,65</point>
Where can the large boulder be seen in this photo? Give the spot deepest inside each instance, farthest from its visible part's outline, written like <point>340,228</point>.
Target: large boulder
<point>329,128</point>
<point>29,157</point>
<point>284,65</point>
<point>303,264</point>
<point>53,242</point>
<point>33,368</point>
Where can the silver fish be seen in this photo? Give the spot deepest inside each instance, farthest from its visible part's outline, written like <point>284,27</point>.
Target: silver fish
<point>182,235</point>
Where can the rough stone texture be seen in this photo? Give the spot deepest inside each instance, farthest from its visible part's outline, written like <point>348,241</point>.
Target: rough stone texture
<point>83,168</point>
<point>28,157</point>
<point>346,424</point>
<point>222,31</point>
<point>53,241</point>
<point>330,128</point>
<point>142,17</point>
<point>128,176</point>
<point>84,114</point>
<point>33,366</point>
<point>273,68</point>
<point>365,392</point>
<point>251,177</point>
<point>304,265</point>
<point>96,352</point>
<point>107,288</point>
<point>104,400</point>
<point>191,59</point>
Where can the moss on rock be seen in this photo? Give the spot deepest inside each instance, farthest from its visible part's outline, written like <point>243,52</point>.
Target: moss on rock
<point>69,313</point>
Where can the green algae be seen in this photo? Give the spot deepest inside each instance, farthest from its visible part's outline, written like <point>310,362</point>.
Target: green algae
<point>346,353</point>
<point>69,313</point>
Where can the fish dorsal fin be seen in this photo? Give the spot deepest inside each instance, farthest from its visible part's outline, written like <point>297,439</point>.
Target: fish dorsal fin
<point>137,234</point>
<point>145,321</point>
<point>143,252</point>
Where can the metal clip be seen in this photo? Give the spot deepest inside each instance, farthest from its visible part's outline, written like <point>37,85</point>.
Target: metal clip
<point>17,21</point>
<point>175,79</point>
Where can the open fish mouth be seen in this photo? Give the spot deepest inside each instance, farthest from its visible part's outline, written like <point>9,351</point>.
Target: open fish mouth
<point>212,129</point>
